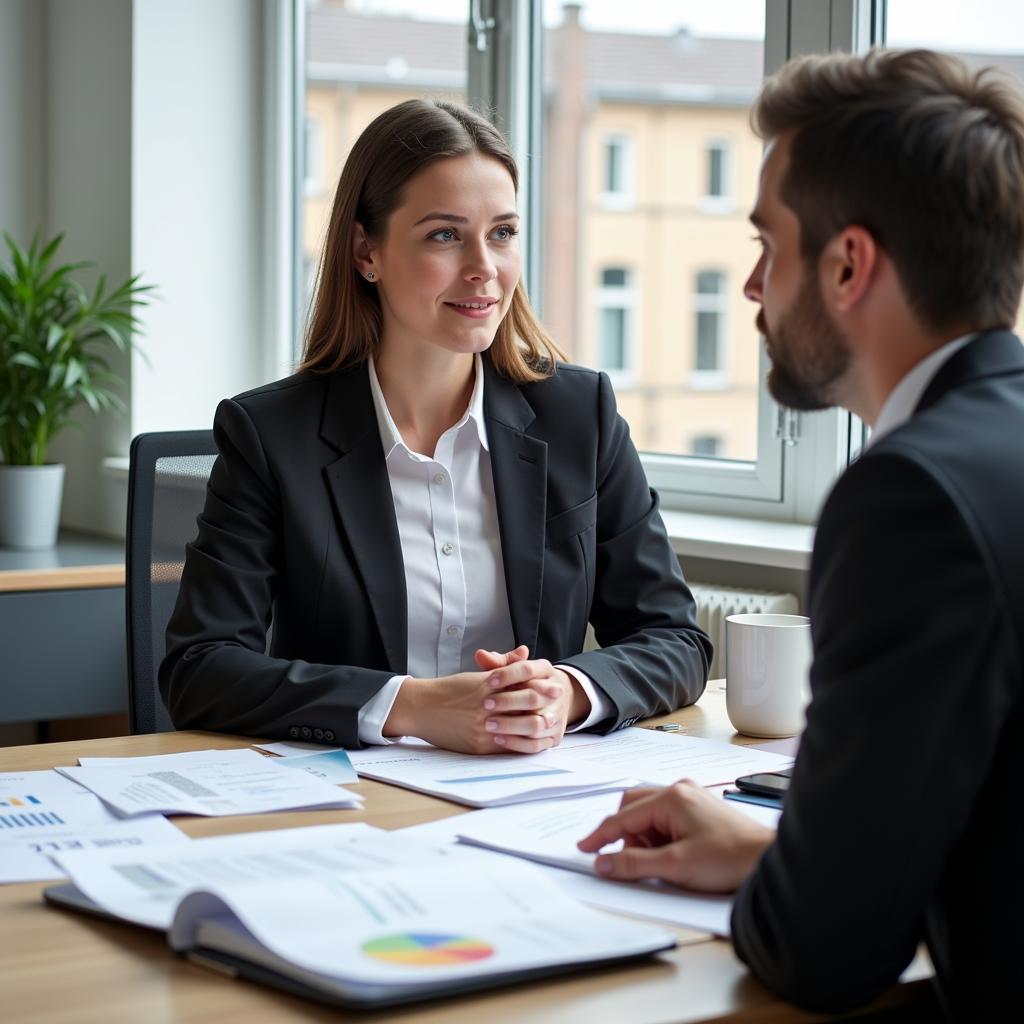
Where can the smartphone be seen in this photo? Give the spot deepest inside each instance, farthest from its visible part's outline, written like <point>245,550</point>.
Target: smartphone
<point>765,783</point>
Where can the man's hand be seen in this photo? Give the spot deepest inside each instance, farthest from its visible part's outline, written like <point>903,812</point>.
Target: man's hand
<point>681,834</point>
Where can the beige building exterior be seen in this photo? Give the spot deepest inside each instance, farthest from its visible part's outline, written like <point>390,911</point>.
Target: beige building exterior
<point>650,172</point>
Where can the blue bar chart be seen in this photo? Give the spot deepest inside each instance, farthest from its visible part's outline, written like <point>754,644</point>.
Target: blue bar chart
<point>30,820</point>
<point>17,812</point>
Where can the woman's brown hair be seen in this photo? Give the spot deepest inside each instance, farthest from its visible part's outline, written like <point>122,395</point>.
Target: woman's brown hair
<point>346,325</point>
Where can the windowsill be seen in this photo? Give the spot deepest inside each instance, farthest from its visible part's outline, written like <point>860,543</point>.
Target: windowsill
<point>733,539</point>
<point>618,201</point>
<point>697,535</point>
<point>115,467</point>
<point>716,204</point>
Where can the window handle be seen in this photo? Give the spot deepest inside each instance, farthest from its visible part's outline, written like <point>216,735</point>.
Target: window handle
<point>480,25</point>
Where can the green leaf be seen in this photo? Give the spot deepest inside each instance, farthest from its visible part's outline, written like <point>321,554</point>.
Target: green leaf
<point>53,336</point>
<point>73,374</point>
<point>25,359</point>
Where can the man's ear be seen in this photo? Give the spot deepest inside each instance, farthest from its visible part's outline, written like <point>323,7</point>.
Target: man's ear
<point>363,252</point>
<point>847,268</point>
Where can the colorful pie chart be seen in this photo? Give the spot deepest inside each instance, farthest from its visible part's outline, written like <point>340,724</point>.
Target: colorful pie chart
<point>423,949</point>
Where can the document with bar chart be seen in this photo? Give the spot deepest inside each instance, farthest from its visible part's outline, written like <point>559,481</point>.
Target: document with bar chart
<point>42,814</point>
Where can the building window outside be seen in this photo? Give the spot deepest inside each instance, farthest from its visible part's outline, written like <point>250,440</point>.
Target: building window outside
<point>617,171</point>
<point>615,306</point>
<point>707,446</point>
<point>717,176</point>
<point>710,303</point>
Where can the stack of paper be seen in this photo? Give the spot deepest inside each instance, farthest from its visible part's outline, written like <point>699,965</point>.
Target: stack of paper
<point>206,782</point>
<point>489,780</point>
<point>659,758</point>
<point>363,919</point>
<point>547,833</point>
<point>42,814</point>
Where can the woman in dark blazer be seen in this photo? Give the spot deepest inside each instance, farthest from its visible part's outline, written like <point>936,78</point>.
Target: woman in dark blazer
<point>434,507</point>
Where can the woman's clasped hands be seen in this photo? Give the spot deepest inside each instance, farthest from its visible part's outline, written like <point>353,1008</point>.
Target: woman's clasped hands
<point>515,704</point>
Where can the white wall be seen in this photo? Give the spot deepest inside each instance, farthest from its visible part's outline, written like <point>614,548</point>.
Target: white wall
<point>197,206</point>
<point>137,127</point>
<point>87,182</point>
<point>21,119</point>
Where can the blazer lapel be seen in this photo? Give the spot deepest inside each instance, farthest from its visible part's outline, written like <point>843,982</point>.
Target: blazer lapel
<point>519,464</point>
<point>361,493</point>
<point>990,354</point>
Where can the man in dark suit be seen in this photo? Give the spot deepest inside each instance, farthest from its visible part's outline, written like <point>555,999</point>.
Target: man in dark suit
<point>891,213</point>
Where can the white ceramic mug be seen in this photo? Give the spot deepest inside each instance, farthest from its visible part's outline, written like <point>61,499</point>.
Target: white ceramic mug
<point>768,659</point>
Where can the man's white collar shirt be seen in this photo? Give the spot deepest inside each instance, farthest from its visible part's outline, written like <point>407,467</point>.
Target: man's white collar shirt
<point>903,399</point>
<point>454,572</point>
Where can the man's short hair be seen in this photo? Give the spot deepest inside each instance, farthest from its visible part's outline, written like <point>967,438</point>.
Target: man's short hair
<point>922,152</point>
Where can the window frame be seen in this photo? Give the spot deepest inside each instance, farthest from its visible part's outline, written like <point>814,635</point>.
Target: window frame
<point>718,304</point>
<point>622,297</point>
<point>725,202</point>
<point>623,198</point>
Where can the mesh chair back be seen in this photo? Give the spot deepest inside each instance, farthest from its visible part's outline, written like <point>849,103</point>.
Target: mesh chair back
<point>166,491</point>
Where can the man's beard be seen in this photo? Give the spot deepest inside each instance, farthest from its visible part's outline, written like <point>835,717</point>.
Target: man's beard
<point>808,353</point>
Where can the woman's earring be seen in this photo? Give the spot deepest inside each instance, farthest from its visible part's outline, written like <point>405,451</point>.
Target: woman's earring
<point>370,275</point>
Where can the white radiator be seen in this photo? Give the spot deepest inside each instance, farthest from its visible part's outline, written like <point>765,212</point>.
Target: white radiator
<point>715,602</point>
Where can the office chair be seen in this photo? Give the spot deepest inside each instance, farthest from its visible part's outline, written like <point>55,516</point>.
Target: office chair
<point>166,491</point>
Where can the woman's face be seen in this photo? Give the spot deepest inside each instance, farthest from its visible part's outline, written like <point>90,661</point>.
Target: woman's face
<point>450,261</point>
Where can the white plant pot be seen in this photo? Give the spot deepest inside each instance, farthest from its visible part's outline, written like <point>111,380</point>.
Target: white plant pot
<point>30,498</point>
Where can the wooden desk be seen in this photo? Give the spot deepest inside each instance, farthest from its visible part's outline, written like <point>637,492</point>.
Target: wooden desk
<point>62,631</point>
<point>58,967</point>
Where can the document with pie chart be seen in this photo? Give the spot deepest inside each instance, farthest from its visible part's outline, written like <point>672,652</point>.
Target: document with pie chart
<point>393,935</point>
<point>352,915</point>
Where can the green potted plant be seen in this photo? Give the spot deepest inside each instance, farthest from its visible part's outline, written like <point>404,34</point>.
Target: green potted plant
<point>54,339</point>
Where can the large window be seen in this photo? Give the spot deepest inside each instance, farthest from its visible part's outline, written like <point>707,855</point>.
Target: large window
<point>358,60</point>
<point>638,170</point>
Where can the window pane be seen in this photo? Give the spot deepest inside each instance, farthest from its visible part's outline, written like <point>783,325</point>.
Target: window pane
<point>710,282</point>
<point>707,341</point>
<point>629,71</point>
<point>613,277</point>
<point>360,62</point>
<point>614,182</point>
<point>613,339</point>
<point>716,157</point>
<point>706,445</point>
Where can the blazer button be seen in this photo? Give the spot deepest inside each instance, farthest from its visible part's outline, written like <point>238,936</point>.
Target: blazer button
<point>306,732</point>
<point>294,732</point>
<point>329,735</point>
<point>318,734</point>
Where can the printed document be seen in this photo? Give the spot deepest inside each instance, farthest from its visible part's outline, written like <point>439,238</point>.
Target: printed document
<point>547,833</point>
<point>488,780</point>
<point>225,782</point>
<point>392,935</point>
<point>27,858</point>
<point>143,886</point>
<point>659,758</point>
<point>42,813</point>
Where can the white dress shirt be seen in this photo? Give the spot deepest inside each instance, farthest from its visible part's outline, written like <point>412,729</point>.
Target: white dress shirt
<point>903,399</point>
<point>454,574</point>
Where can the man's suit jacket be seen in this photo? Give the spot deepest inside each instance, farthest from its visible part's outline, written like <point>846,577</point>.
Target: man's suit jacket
<point>903,821</point>
<point>299,525</point>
